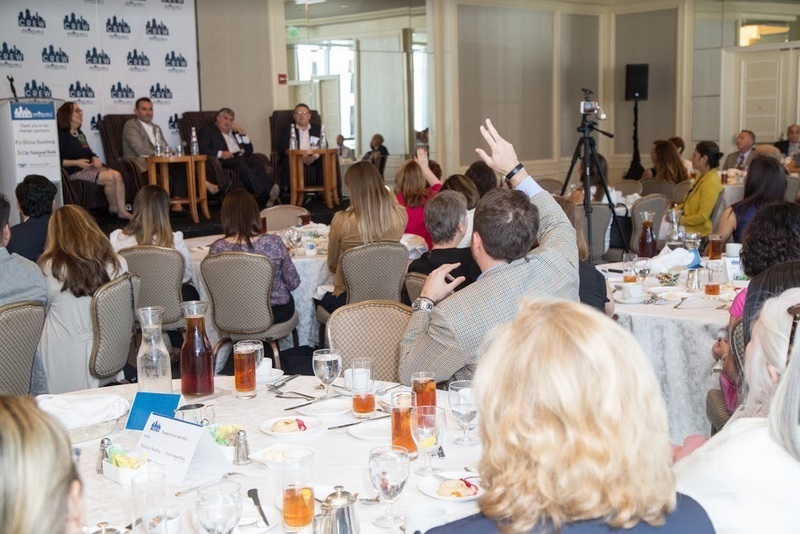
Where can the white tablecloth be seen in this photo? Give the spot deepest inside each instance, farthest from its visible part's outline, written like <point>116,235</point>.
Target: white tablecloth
<point>339,459</point>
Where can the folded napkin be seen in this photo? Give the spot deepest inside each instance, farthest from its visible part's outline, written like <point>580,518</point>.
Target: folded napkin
<point>680,257</point>
<point>415,244</point>
<point>76,411</point>
<point>321,290</point>
<point>630,199</point>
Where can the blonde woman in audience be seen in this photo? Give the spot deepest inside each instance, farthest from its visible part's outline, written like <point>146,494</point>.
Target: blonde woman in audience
<point>415,184</point>
<point>374,216</point>
<point>747,475</point>
<point>574,431</point>
<point>39,488</point>
<point>77,260</point>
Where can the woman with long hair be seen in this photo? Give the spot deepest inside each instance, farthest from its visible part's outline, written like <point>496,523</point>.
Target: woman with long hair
<point>668,164</point>
<point>574,430</point>
<point>83,164</point>
<point>374,216</point>
<point>415,183</point>
<point>241,224</point>
<point>702,197</point>
<point>77,260</point>
<point>40,490</point>
<point>461,184</point>
<point>151,226</point>
<point>746,476</point>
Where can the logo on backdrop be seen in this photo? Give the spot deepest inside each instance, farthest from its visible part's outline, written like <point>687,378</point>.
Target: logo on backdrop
<point>32,24</point>
<point>135,59</point>
<point>76,27</point>
<point>173,122</point>
<point>80,90</point>
<point>135,3</point>
<point>159,92</point>
<point>97,60</point>
<point>117,29</point>
<point>94,121</point>
<point>122,93</point>
<point>175,61</point>
<point>11,57</point>
<point>55,59</point>
<point>157,31</point>
<point>172,4</point>
<point>37,90</point>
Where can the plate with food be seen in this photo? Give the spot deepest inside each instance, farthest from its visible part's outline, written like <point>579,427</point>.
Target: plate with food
<point>272,456</point>
<point>290,427</point>
<point>454,486</point>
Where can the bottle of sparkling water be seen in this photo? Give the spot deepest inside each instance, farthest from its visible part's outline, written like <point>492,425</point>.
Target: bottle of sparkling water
<point>292,138</point>
<point>195,145</point>
<point>323,141</point>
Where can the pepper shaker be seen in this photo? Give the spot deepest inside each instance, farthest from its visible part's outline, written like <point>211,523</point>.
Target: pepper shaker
<point>241,455</point>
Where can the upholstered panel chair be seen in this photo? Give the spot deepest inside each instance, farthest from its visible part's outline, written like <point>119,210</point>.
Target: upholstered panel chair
<point>21,326</point>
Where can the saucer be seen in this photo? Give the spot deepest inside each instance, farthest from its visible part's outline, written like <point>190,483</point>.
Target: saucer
<point>639,300</point>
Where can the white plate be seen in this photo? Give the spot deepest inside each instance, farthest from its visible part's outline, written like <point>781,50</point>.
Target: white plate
<point>380,430</point>
<point>327,407</point>
<point>250,522</point>
<point>268,377</point>
<point>312,424</point>
<point>430,486</point>
<point>267,456</point>
<point>620,300</point>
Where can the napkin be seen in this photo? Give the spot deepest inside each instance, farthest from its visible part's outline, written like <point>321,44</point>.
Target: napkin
<point>321,290</point>
<point>680,257</point>
<point>77,411</point>
<point>415,244</point>
<point>320,229</point>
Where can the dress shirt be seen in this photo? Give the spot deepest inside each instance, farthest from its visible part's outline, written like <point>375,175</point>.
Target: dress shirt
<point>150,131</point>
<point>233,146</point>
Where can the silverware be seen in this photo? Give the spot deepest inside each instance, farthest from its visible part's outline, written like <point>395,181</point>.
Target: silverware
<point>440,452</point>
<point>224,477</point>
<point>253,494</point>
<point>384,390</point>
<point>443,477</point>
<point>311,402</point>
<point>678,305</point>
<point>370,500</point>
<point>283,381</point>
<point>359,422</point>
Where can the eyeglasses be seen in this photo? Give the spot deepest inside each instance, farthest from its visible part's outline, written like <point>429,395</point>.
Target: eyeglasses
<point>302,113</point>
<point>794,311</point>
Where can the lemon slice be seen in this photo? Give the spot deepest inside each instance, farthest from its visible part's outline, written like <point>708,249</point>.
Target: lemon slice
<point>428,442</point>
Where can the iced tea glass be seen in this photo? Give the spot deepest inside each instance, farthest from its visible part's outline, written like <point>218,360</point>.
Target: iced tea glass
<point>244,369</point>
<point>712,281</point>
<point>362,386</point>
<point>424,385</point>
<point>628,274</point>
<point>714,247</point>
<point>402,402</point>
<point>298,489</point>
<point>428,427</point>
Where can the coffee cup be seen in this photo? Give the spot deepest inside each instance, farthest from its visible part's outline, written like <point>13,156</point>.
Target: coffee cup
<point>732,250</point>
<point>360,381</point>
<point>422,517</point>
<point>632,291</point>
<point>311,248</point>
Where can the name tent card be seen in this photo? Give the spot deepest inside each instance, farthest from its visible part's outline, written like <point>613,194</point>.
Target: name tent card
<point>172,446</point>
<point>145,403</point>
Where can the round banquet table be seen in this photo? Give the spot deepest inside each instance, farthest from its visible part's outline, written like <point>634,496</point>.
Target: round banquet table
<point>340,459</point>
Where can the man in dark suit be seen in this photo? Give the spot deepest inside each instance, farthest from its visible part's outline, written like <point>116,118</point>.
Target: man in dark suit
<point>307,135</point>
<point>791,146</point>
<point>228,142</point>
<point>35,195</point>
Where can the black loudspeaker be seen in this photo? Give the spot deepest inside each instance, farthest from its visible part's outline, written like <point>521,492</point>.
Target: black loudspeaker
<point>636,81</point>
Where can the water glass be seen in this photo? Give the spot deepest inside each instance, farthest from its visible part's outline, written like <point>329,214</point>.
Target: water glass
<point>327,366</point>
<point>219,506</point>
<point>149,503</point>
<point>389,468</point>
<point>691,240</point>
<point>363,388</point>
<point>464,406</point>
<point>298,489</point>
<point>642,267</point>
<point>428,427</point>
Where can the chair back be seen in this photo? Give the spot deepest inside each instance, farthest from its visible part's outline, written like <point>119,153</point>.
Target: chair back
<point>719,207</point>
<point>277,122</point>
<point>601,219</point>
<point>110,127</point>
<point>161,272</point>
<point>655,203</point>
<point>680,190</point>
<point>21,326</point>
<point>283,216</point>
<point>372,328</point>
<point>199,119</point>
<point>551,186</point>
<point>792,188</point>
<point>113,315</point>
<point>768,284</point>
<point>374,272</point>
<point>414,283</point>
<point>657,187</point>
<point>629,187</point>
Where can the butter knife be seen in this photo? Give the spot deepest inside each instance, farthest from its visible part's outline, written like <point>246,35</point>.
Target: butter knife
<point>311,402</point>
<point>253,494</point>
<point>283,381</point>
<point>359,422</point>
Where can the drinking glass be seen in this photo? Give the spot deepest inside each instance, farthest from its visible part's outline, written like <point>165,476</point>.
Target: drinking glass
<point>219,506</point>
<point>389,468</point>
<point>465,409</point>
<point>295,238</point>
<point>298,489</point>
<point>628,274</point>
<point>149,503</point>
<point>714,273</point>
<point>642,267</point>
<point>362,386</point>
<point>428,427</point>
<point>691,240</point>
<point>402,402</point>
<point>327,366</point>
<point>714,247</point>
<point>424,385</point>
<point>244,369</point>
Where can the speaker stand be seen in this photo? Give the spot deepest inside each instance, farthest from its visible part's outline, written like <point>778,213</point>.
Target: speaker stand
<point>636,170</point>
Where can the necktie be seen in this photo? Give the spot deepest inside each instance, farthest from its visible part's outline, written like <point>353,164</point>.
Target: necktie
<point>740,162</point>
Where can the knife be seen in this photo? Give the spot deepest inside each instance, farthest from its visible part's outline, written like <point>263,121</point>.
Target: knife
<point>311,402</point>
<point>283,381</point>
<point>253,494</point>
<point>359,422</point>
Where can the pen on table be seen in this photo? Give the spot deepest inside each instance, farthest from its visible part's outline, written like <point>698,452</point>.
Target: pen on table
<point>620,271</point>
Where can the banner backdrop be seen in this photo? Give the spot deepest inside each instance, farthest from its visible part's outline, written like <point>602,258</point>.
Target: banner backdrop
<point>103,54</point>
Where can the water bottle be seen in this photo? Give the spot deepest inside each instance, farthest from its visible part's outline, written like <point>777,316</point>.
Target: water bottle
<point>292,139</point>
<point>323,141</point>
<point>195,146</point>
<point>159,146</point>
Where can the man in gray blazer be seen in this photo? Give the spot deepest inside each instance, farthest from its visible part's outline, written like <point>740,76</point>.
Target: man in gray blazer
<point>744,152</point>
<point>446,332</point>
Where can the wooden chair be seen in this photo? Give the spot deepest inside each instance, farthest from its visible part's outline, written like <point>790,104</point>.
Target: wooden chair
<point>241,308</point>
<point>551,186</point>
<point>719,207</point>
<point>161,272</point>
<point>680,190</point>
<point>113,313</point>
<point>628,187</point>
<point>373,328</point>
<point>413,284</point>
<point>21,326</point>
<point>280,217</point>
<point>110,127</point>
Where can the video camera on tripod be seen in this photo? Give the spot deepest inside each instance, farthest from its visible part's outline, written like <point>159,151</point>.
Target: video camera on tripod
<point>589,106</point>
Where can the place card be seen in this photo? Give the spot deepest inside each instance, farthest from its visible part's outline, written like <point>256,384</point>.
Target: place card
<point>146,403</point>
<point>172,446</point>
<point>733,267</point>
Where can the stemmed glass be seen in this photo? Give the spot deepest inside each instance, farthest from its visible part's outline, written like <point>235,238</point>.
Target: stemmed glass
<point>389,468</point>
<point>295,238</point>
<point>428,427</point>
<point>464,408</point>
<point>219,506</point>
<point>642,267</point>
<point>327,366</point>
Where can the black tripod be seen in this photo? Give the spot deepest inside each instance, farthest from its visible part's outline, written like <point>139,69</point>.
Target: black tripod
<point>585,149</point>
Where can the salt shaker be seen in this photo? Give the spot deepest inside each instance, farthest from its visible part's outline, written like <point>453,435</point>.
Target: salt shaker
<point>241,455</point>
<point>105,443</point>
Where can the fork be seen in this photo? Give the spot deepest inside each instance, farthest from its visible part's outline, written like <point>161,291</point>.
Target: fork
<point>678,305</point>
<point>224,477</point>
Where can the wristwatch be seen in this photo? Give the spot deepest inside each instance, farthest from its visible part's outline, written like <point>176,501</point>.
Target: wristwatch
<point>422,303</point>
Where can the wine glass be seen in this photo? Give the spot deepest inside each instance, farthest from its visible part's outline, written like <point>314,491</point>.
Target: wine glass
<point>327,366</point>
<point>642,267</point>
<point>465,409</point>
<point>428,426</point>
<point>219,506</point>
<point>389,468</point>
<point>295,238</point>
